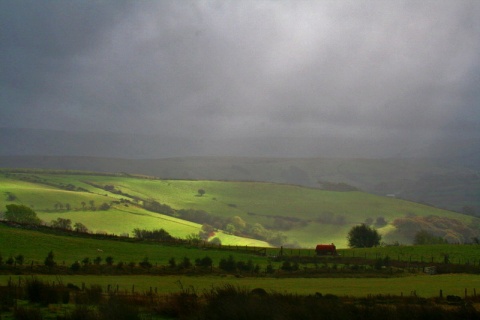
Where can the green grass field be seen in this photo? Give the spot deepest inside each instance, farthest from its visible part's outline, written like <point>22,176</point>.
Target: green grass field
<point>423,285</point>
<point>252,201</point>
<point>35,246</point>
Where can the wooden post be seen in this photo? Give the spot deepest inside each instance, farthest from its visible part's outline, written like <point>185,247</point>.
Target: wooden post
<point>133,288</point>
<point>465,292</point>
<point>441,293</point>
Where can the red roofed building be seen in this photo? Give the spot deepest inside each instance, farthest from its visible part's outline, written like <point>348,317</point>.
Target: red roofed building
<point>326,249</point>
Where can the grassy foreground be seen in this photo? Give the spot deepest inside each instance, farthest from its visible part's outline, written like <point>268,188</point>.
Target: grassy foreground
<point>423,285</point>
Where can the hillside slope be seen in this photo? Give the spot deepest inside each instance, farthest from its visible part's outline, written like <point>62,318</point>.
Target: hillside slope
<point>306,216</point>
<point>431,181</point>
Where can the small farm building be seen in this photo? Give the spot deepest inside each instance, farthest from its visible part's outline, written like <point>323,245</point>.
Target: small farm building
<point>326,249</point>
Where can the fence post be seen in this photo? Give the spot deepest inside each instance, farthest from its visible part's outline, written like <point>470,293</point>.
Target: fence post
<point>441,293</point>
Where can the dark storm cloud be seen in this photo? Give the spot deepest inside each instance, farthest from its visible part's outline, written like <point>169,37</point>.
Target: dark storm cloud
<point>235,74</point>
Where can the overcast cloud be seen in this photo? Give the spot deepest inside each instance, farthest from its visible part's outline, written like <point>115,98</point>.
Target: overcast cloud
<point>392,74</point>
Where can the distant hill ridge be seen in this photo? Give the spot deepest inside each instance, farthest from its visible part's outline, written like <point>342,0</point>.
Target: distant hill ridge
<point>421,180</point>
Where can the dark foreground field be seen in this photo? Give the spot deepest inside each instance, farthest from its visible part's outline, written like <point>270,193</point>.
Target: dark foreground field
<point>39,299</point>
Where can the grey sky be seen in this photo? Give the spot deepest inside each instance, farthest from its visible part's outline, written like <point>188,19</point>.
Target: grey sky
<point>399,74</point>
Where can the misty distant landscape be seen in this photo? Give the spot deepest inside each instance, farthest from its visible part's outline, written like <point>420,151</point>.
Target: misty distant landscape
<point>451,180</point>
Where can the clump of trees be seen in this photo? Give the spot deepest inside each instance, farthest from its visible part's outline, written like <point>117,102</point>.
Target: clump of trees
<point>363,236</point>
<point>428,228</point>
<point>21,214</point>
<point>235,225</point>
<point>156,234</point>
<point>425,237</point>
<point>61,223</point>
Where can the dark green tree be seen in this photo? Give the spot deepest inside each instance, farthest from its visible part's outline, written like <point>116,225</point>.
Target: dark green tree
<point>49,260</point>
<point>425,237</point>
<point>363,236</point>
<point>109,260</point>
<point>21,214</point>
<point>201,192</point>
<point>19,259</point>
<point>97,261</point>
<point>61,223</point>
<point>145,263</point>
<point>80,227</point>
<point>228,264</point>
<point>75,266</point>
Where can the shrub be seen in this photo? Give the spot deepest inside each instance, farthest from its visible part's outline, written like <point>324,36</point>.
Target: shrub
<point>19,259</point>
<point>94,294</point>
<point>185,264</point>
<point>49,260</point>
<point>21,214</point>
<point>37,291</point>
<point>118,308</point>
<point>204,262</point>
<point>75,266</point>
<point>145,263</point>
<point>228,264</point>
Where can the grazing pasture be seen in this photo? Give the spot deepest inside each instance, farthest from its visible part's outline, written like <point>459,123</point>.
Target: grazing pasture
<point>306,216</point>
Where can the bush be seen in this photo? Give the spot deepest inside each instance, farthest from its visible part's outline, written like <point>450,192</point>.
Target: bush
<point>37,291</point>
<point>94,294</point>
<point>118,308</point>
<point>75,266</point>
<point>49,260</point>
<point>145,263</point>
<point>204,262</point>
<point>185,264</point>
<point>21,214</point>
<point>228,264</point>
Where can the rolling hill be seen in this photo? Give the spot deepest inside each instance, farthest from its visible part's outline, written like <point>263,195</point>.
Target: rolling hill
<point>306,216</point>
<point>436,182</point>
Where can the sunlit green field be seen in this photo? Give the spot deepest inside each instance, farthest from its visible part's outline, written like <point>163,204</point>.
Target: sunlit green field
<point>252,201</point>
<point>423,285</point>
<point>35,246</point>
